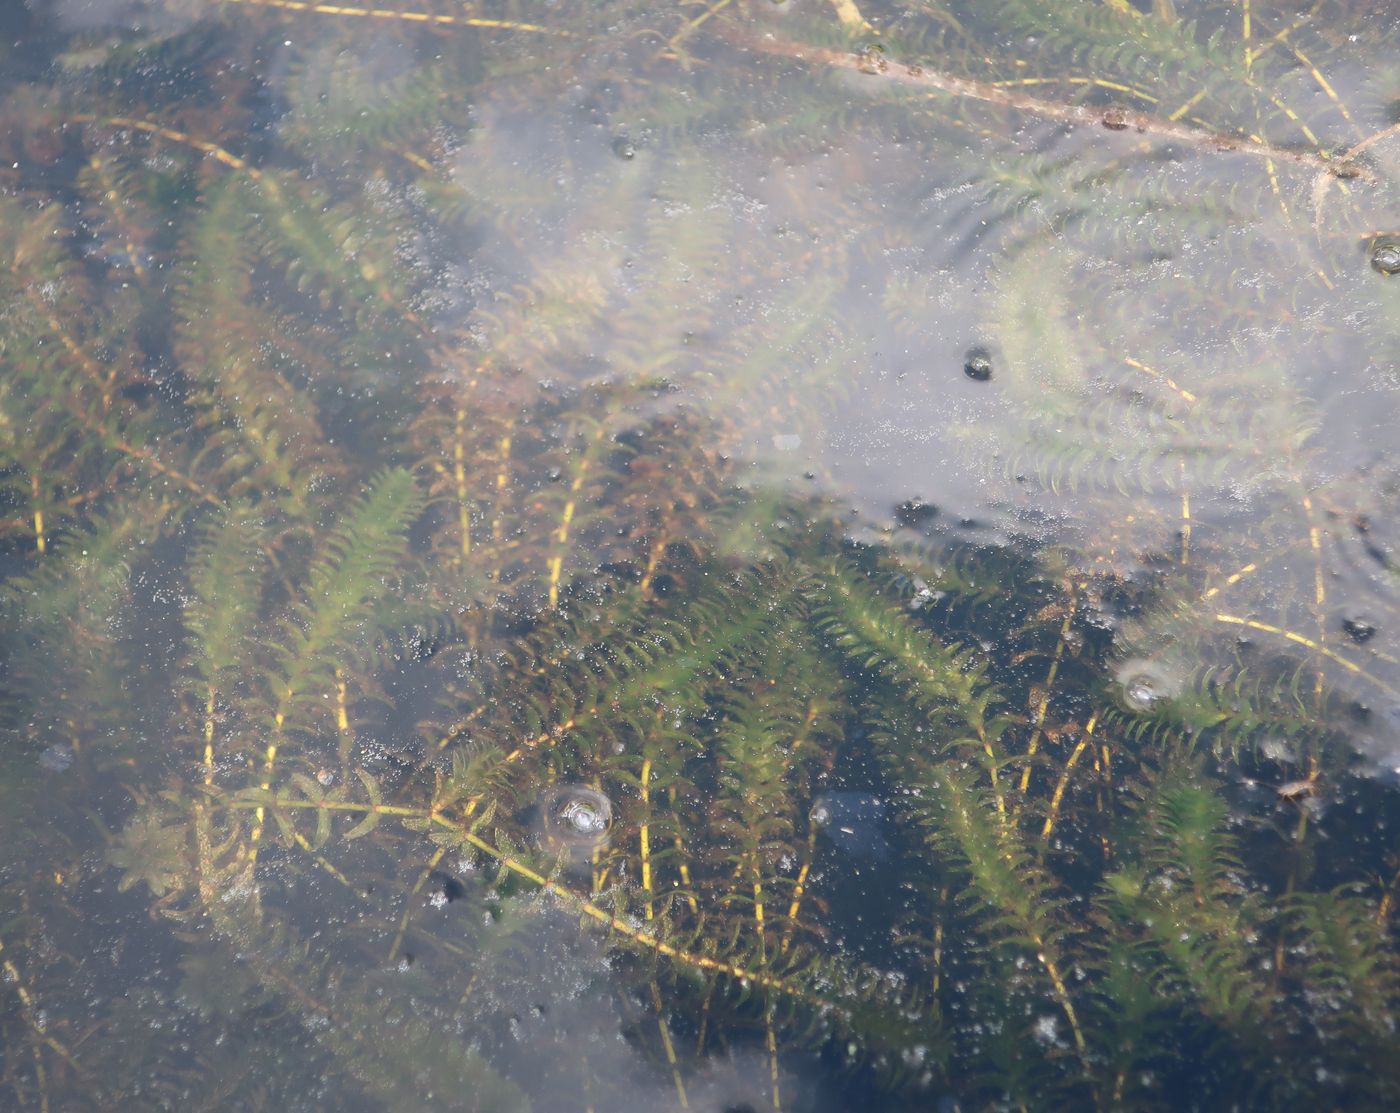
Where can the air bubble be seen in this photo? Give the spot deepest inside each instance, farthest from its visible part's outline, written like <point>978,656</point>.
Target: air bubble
<point>623,148</point>
<point>1385,256</point>
<point>575,819</point>
<point>1139,692</point>
<point>977,364</point>
<point>1115,118</point>
<point>1146,685</point>
<point>1358,628</point>
<point>871,58</point>
<point>582,818</point>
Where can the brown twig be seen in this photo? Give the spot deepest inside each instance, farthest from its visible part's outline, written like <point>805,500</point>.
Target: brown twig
<point>875,64</point>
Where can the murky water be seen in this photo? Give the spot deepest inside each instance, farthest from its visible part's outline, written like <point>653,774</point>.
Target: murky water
<point>741,555</point>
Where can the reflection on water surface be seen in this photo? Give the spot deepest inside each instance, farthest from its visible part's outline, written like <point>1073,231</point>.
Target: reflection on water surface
<point>803,556</point>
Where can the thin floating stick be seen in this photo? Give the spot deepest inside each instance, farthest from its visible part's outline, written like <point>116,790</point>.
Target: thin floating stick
<point>1042,704</point>
<point>174,135</point>
<point>849,15</point>
<point>644,837</point>
<point>423,876</point>
<point>32,1012</point>
<point>799,890</point>
<point>876,64</point>
<point>266,800</point>
<point>1307,643</point>
<point>668,1045</point>
<point>1058,797</point>
<point>622,927</point>
<point>406,17</point>
<point>684,33</point>
<point>36,490</point>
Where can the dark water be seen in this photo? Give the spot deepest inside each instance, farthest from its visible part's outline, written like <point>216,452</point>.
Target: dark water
<point>806,556</point>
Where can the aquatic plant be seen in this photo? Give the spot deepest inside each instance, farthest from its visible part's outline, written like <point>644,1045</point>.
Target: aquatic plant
<point>367,492</point>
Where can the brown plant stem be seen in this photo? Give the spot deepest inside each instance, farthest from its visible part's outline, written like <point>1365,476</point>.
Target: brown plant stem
<point>875,65</point>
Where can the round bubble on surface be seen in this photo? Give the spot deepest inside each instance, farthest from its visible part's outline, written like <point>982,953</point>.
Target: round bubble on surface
<point>1145,684</point>
<point>576,819</point>
<point>1385,256</point>
<point>977,364</point>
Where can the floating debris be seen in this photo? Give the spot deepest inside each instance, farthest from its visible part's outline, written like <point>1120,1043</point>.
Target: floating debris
<point>1298,790</point>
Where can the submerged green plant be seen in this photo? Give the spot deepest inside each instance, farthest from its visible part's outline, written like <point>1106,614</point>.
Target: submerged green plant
<point>366,488</point>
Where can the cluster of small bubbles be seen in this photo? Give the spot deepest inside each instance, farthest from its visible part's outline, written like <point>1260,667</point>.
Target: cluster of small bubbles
<point>1102,619</point>
<point>923,596</point>
<point>914,513</point>
<point>57,758</point>
<point>977,364</point>
<point>1385,255</point>
<point>1145,684</point>
<point>444,888</point>
<point>1278,749</point>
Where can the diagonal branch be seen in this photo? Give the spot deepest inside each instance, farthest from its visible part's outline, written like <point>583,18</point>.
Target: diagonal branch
<point>874,63</point>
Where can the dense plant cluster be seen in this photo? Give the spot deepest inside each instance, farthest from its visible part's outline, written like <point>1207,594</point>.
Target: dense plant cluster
<point>387,400</point>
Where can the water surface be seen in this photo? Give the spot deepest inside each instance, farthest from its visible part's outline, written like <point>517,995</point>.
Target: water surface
<point>804,556</point>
